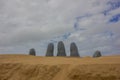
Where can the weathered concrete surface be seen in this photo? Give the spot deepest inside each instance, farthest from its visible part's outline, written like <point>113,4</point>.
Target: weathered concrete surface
<point>97,54</point>
<point>74,50</point>
<point>61,49</point>
<point>50,49</point>
<point>32,52</point>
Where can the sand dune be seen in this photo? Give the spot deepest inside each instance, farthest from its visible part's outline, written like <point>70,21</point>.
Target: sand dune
<point>25,67</point>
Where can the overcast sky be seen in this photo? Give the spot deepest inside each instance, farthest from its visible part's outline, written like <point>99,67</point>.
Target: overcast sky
<point>91,24</point>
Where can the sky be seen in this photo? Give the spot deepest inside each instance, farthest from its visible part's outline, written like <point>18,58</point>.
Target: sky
<point>91,24</point>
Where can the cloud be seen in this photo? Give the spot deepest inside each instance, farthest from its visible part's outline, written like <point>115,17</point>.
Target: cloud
<point>92,24</point>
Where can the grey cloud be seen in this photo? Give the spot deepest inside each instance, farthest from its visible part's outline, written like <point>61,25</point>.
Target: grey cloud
<point>34,23</point>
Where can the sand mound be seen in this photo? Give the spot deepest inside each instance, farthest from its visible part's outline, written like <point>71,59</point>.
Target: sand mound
<point>24,67</point>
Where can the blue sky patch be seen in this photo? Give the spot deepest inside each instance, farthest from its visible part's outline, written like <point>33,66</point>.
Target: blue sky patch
<point>115,18</point>
<point>65,36</point>
<point>77,19</point>
<point>113,5</point>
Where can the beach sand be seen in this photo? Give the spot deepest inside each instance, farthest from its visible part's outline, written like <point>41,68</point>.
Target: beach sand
<point>26,67</point>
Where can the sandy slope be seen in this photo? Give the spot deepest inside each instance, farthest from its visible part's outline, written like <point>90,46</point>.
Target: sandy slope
<point>24,67</point>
